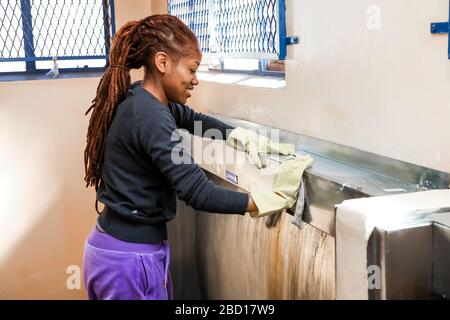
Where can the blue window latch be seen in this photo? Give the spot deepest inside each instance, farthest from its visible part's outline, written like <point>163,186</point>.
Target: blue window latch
<point>292,40</point>
<point>442,27</point>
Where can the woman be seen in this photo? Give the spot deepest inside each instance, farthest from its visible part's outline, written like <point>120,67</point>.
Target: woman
<point>128,160</point>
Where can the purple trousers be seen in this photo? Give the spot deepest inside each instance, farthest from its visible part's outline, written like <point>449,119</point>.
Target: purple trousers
<point>117,270</point>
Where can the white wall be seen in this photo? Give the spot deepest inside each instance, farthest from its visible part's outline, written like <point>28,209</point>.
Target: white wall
<point>385,91</point>
<point>45,210</point>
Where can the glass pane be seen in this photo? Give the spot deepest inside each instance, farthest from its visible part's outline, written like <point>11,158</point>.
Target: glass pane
<point>98,63</point>
<point>233,28</point>
<point>241,64</point>
<point>11,33</point>
<point>12,66</point>
<point>68,28</point>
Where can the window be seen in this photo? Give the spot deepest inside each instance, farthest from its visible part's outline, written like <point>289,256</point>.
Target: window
<point>76,33</point>
<point>244,35</point>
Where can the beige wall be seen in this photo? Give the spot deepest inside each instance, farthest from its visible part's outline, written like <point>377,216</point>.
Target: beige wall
<point>384,91</point>
<point>159,6</point>
<point>45,210</point>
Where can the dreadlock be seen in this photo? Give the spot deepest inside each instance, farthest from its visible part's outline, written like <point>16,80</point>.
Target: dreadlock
<point>134,46</point>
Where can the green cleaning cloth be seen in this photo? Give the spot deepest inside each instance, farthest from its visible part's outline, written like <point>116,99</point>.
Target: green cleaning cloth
<point>285,187</point>
<point>254,144</point>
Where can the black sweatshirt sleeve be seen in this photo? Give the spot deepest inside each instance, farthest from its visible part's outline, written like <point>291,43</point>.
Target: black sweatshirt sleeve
<point>156,131</point>
<point>191,120</point>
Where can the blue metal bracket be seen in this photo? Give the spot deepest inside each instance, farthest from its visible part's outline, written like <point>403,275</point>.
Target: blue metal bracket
<point>442,27</point>
<point>292,40</point>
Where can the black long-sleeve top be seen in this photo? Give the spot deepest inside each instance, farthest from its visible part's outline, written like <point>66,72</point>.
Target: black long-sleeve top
<point>140,181</point>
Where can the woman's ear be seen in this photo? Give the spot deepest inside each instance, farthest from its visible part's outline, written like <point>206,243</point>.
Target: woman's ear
<point>161,62</point>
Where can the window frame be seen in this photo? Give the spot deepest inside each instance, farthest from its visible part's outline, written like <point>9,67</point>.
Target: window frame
<point>283,42</point>
<point>109,26</point>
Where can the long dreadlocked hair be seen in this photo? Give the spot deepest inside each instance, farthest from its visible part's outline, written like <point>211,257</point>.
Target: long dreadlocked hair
<point>134,46</point>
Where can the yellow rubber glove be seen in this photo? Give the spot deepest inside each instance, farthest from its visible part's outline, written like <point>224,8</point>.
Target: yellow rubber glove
<point>254,144</point>
<point>285,187</point>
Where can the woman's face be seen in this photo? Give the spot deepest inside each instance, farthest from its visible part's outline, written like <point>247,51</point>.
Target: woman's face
<point>181,77</point>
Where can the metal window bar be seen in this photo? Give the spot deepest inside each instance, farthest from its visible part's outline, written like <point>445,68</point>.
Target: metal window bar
<point>38,30</point>
<point>253,29</point>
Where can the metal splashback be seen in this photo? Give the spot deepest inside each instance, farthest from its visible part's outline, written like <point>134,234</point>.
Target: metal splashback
<point>413,176</point>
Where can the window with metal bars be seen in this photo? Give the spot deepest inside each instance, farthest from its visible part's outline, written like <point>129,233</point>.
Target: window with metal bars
<point>34,33</point>
<point>244,35</point>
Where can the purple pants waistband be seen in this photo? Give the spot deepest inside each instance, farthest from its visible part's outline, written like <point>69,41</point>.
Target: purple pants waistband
<point>105,241</point>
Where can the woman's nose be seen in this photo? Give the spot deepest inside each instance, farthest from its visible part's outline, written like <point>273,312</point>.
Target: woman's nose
<point>195,81</point>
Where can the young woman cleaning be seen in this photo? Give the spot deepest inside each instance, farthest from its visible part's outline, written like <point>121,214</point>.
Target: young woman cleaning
<point>128,160</point>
